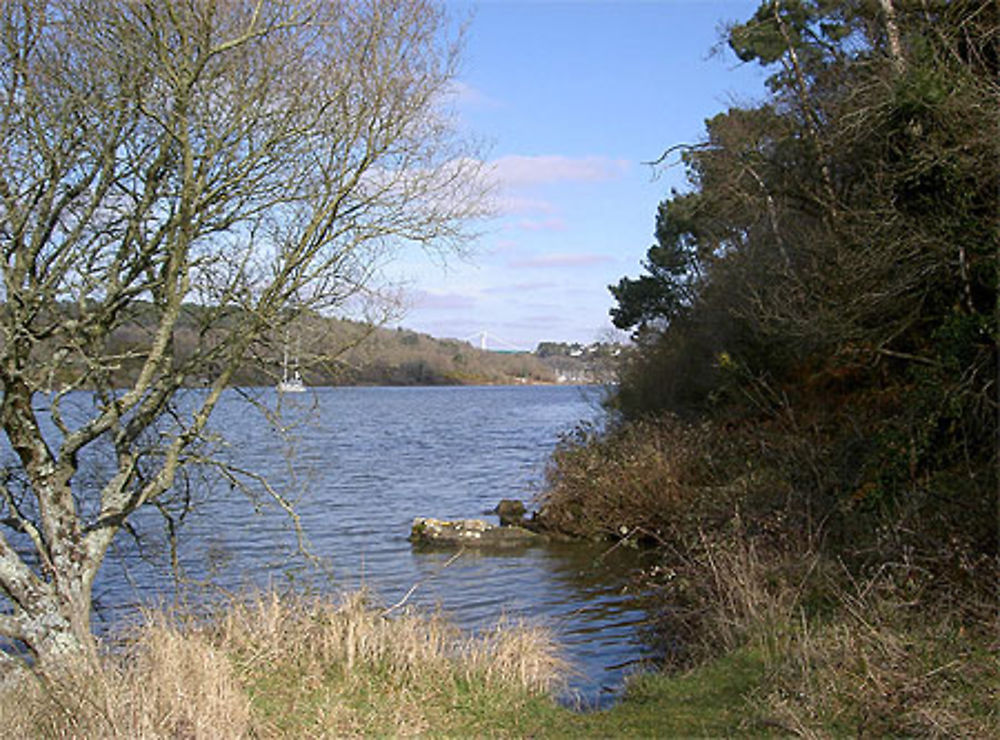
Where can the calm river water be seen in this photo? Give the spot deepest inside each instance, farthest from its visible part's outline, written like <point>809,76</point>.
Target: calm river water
<point>359,464</point>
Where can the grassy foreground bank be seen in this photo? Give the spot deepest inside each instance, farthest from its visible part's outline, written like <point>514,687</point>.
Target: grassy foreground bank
<point>272,666</point>
<point>275,666</point>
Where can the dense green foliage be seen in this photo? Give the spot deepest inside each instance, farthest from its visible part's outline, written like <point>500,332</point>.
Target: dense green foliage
<point>808,424</point>
<point>830,280</point>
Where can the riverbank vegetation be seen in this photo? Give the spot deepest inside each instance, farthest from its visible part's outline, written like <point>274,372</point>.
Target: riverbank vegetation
<point>808,427</point>
<point>291,666</point>
<point>881,622</point>
<point>272,665</point>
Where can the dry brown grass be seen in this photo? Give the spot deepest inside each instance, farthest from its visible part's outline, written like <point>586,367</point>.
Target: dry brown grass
<point>747,593</point>
<point>271,665</point>
<point>169,683</point>
<point>876,658</point>
<point>318,634</point>
<point>884,655</point>
<point>884,667</point>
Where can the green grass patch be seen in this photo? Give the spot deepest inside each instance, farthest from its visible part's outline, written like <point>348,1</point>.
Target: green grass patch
<point>709,701</point>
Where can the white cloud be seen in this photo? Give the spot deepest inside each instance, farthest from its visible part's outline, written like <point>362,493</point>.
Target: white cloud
<point>562,260</point>
<point>463,93</point>
<point>432,301</point>
<point>518,171</point>
<point>513,174</point>
<point>506,203</point>
<point>519,288</point>
<point>542,224</point>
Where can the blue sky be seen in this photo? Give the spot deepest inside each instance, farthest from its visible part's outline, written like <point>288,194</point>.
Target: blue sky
<point>571,98</point>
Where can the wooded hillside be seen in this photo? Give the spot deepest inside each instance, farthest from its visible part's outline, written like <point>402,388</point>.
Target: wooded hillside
<point>344,352</point>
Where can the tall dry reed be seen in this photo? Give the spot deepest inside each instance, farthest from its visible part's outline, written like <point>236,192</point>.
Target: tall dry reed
<point>168,682</point>
<point>882,666</point>
<point>272,665</point>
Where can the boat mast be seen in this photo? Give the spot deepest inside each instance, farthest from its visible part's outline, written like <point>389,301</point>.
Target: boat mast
<point>284,360</point>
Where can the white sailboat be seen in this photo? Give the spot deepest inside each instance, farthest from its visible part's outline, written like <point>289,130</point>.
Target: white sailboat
<point>290,383</point>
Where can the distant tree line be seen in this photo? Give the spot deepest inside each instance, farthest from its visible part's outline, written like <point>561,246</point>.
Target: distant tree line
<point>330,351</point>
<point>575,349</point>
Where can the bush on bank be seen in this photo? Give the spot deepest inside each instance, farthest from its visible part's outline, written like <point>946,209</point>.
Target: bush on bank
<point>867,620</point>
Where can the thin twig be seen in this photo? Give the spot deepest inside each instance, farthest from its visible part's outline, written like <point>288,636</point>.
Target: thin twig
<point>418,584</point>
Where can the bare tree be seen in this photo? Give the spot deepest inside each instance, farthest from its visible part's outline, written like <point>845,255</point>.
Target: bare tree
<point>222,163</point>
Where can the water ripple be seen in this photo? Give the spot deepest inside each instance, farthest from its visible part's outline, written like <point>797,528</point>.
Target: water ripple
<point>362,464</point>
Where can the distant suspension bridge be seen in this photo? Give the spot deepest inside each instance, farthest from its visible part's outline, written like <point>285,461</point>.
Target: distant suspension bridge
<point>491,342</point>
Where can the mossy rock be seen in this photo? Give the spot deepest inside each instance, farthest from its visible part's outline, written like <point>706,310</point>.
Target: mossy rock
<point>470,533</point>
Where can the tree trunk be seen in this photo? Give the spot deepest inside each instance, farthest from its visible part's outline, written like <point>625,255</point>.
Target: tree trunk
<point>52,607</point>
<point>56,628</point>
<point>892,34</point>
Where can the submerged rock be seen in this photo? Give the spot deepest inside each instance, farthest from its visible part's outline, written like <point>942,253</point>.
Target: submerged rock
<point>470,533</point>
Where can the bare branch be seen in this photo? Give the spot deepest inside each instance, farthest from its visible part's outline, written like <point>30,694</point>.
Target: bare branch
<point>178,181</point>
<point>10,627</point>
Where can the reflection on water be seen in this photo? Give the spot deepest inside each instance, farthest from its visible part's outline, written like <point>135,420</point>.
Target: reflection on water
<point>360,466</point>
